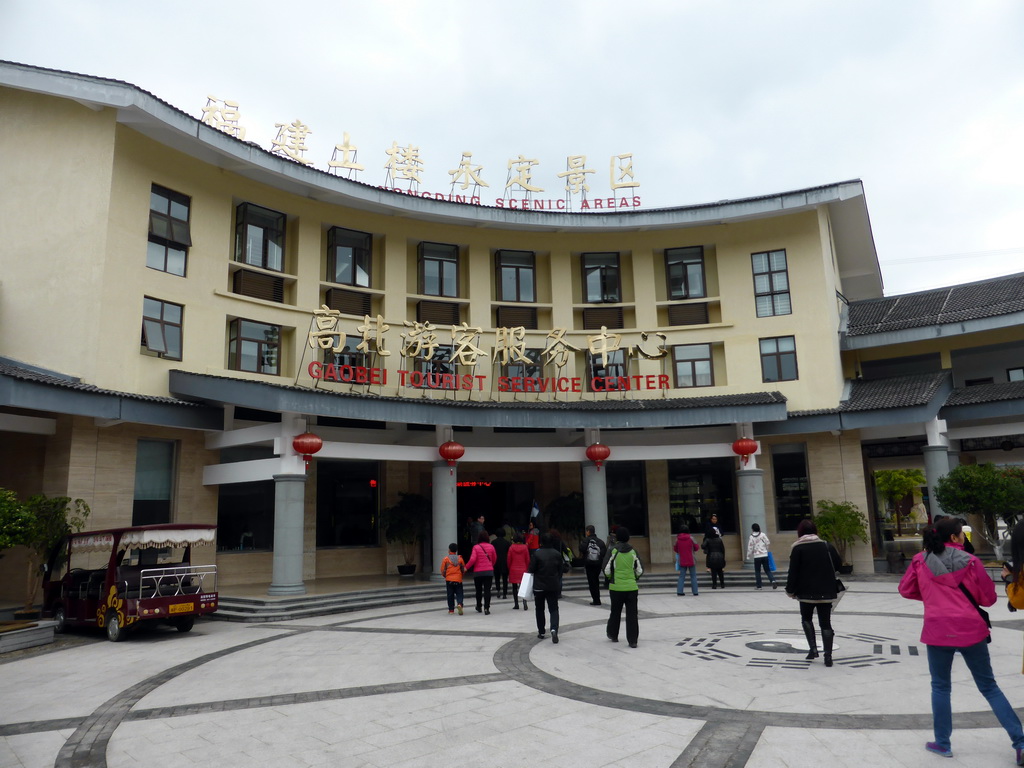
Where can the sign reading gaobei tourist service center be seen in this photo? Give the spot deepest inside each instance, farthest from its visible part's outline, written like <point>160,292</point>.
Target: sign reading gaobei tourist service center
<point>435,354</point>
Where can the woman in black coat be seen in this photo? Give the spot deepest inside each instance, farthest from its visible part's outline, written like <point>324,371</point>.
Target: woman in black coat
<point>812,580</point>
<point>714,548</point>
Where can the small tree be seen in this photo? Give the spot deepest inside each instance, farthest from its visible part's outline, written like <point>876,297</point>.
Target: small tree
<point>996,494</point>
<point>406,522</point>
<point>895,484</point>
<point>14,520</point>
<point>841,523</point>
<point>49,520</point>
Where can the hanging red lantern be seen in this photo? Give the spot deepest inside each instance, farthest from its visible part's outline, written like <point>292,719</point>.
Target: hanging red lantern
<point>451,452</point>
<point>598,453</point>
<point>745,448</point>
<point>306,445</point>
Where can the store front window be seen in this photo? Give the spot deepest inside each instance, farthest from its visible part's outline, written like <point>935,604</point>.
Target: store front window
<point>627,495</point>
<point>699,488</point>
<point>347,503</point>
<point>792,486</point>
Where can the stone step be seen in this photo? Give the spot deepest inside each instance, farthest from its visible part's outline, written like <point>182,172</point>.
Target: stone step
<point>255,609</point>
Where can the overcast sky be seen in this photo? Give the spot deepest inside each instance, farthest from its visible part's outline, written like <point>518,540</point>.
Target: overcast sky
<point>921,99</point>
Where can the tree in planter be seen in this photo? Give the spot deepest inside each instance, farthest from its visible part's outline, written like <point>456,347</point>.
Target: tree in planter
<point>14,520</point>
<point>406,523</point>
<point>994,493</point>
<point>841,523</point>
<point>566,515</point>
<point>895,485</point>
<point>49,520</point>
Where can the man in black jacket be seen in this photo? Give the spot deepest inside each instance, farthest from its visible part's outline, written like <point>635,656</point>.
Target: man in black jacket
<point>547,566</point>
<point>593,550</point>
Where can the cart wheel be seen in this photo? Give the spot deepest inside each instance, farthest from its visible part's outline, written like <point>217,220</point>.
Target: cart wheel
<point>115,632</point>
<point>185,624</point>
<point>59,620</point>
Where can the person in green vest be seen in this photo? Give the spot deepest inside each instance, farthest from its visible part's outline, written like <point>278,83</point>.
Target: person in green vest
<point>623,569</point>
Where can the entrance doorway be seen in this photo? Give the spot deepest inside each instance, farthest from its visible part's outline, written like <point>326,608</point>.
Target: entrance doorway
<point>498,502</point>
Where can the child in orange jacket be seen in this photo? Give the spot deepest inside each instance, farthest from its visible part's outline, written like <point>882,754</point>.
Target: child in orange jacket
<point>452,568</point>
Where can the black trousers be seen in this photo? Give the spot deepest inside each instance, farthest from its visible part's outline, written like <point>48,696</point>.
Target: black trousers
<point>551,598</point>
<point>482,584</point>
<point>593,580</point>
<point>500,584</point>
<point>629,601</point>
<point>824,614</point>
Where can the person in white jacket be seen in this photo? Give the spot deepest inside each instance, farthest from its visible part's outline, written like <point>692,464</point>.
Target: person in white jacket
<point>757,548</point>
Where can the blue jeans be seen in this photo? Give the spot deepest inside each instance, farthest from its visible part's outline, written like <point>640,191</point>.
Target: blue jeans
<point>683,570</point>
<point>940,662</point>
<point>454,592</point>
<point>761,564</point>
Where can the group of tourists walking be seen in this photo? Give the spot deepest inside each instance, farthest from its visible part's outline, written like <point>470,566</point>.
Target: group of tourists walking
<point>952,584</point>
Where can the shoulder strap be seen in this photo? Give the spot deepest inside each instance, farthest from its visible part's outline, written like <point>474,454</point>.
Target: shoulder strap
<point>982,613</point>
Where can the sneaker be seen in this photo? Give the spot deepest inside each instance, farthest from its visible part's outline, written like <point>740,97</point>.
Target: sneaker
<point>554,636</point>
<point>487,611</point>
<point>451,613</point>
<point>540,635</point>
<point>775,585</point>
<point>595,602</point>
<point>931,746</point>
<point>478,609</point>
<point>632,645</point>
<point>459,610</point>
<point>756,587</point>
<point>613,639</point>
<point>1020,755</point>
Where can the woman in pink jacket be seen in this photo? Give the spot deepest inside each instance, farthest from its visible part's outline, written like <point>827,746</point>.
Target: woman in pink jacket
<point>953,585</point>
<point>684,547</point>
<point>518,562</point>
<point>481,563</point>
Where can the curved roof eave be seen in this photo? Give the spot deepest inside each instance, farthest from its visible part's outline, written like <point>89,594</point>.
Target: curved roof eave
<point>172,127</point>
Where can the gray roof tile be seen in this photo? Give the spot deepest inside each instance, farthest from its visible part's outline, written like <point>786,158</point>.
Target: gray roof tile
<point>955,304</point>
<point>986,393</point>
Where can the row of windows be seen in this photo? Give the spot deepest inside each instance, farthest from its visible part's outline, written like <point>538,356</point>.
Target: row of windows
<point>260,242</point>
<point>255,347</point>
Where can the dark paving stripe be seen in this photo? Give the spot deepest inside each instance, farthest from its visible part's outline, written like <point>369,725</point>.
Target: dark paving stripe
<point>39,726</point>
<point>309,697</point>
<point>87,747</point>
<point>720,745</point>
<point>513,659</point>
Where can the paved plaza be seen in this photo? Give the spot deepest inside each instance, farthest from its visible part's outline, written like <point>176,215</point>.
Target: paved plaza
<point>717,680</point>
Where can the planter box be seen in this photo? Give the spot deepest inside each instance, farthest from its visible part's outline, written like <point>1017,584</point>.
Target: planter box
<point>35,633</point>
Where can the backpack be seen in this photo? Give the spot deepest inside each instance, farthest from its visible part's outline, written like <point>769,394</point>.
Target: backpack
<point>593,551</point>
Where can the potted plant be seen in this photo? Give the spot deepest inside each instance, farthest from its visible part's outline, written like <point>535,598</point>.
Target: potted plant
<point>841,523</point>
<point>406,523</point>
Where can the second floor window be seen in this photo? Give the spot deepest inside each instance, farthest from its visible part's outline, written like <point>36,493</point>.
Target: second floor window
<point>771,284</point>
<point>439,269</point>
<point>516,275</point>
<point>254,347</point>
<point>778,359</point>
<point>169,235</point>
<point>601,278</point>
<point>693,365</point>
<point>348,257</point>
<point>603,377</point>
<point>1015,374</point>
<point>161,328</point>
<point>684,268</point>
<point>531,370</point>
<point>259,237</point>
<point>349,354</point>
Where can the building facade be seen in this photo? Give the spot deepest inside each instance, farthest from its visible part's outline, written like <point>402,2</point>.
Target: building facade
<point>178,305</point>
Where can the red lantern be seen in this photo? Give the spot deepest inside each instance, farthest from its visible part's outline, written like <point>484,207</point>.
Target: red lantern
<point>745,448</point>
<point>598,453</point>
<point>307,444</point>
<point>451,452</point>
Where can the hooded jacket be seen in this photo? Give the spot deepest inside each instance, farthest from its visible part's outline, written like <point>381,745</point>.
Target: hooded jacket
<point>623,568</point>
<point>949,617</point>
